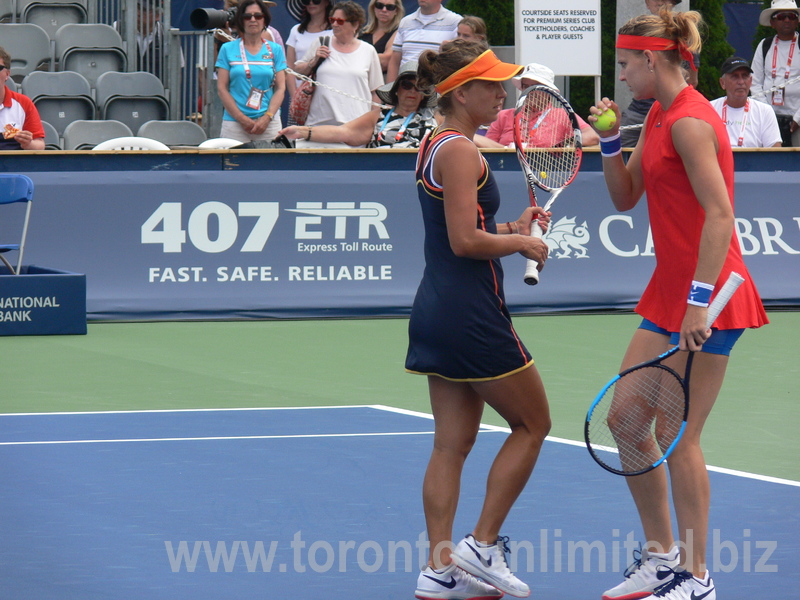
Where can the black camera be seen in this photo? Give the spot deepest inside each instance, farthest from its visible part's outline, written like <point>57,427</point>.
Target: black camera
<point>211,18</point>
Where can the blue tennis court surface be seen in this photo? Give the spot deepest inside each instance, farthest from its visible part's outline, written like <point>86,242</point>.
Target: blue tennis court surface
<point>322,503</point>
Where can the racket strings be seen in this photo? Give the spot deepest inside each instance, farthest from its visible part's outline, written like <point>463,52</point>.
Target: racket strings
<point>637,419</point>
<point>548,136</point>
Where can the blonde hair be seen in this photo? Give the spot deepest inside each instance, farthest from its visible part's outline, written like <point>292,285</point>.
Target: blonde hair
<point>435,67</point>
<point>681,27</point>
<point>477,25</point>
<point>372,21</point>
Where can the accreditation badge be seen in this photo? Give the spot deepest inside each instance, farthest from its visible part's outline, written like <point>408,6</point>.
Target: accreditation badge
<point>255,98</point>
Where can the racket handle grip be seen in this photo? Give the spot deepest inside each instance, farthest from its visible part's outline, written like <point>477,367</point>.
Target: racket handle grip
<point>531,270</point>
<point>722,297</point>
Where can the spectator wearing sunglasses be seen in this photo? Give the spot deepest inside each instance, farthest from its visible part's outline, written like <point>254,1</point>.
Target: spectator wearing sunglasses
<point>383,18</point>
<point>777,61</point>
<point>313,24</point>
<point>348,70</point>
<point>405,120</point>
<point>251,77</point>
<point>19,119</point>
<point>424,29</point>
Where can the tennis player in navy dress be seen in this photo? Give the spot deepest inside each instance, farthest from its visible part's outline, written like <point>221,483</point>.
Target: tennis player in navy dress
<point>460,332</point>
<point>460,327</point>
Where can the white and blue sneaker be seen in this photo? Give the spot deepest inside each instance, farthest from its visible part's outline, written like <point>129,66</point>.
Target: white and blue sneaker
<point>685,586</point>
<point>489,563</point>
<point>648,572</point>
<point>453,584</point>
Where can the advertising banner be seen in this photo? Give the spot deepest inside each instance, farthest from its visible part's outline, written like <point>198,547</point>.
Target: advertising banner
<point>269,244</point>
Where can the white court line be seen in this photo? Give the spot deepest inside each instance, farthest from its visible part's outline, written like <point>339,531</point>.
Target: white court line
<point>216,438</point>
<point>485,427</point>
<point>558,440</point>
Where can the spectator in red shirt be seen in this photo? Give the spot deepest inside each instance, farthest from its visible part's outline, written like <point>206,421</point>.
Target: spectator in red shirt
<point>19,119</point>
<point>502,130</point>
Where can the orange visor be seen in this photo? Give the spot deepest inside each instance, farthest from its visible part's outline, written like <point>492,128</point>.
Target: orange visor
<point>487,67</point>
<point>656,44</point>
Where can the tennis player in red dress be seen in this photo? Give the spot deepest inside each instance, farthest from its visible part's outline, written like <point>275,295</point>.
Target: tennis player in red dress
<point>683,162</point>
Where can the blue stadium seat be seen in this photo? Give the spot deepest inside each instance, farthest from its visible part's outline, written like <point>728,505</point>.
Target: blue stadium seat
<point>16,188</point>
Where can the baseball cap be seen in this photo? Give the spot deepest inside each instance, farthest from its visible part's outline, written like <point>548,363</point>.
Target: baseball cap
<point>734,63</point>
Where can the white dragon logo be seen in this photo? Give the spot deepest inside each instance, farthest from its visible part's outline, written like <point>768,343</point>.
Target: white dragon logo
<point>565,237</point>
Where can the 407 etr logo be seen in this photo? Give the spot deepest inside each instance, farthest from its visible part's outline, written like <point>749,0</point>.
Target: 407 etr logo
<point>214,227</point>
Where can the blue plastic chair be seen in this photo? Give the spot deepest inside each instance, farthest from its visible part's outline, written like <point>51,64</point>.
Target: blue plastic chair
<point>16,188</point>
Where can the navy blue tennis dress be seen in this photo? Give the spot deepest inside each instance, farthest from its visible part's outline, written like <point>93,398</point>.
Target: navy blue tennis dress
<point>460,327</point>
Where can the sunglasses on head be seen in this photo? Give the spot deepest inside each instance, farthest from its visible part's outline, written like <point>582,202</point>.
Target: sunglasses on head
<point>409,84</point>
<point>253,16</point>
<point>787,16</point>
<point>382,6</point>
<point>337,21</point>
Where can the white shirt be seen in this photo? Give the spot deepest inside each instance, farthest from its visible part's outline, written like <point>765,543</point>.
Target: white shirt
<point>763,80</point>
<point>418,32</point>
<point>760,130</point>
<point>301,42</point>
<point>356,73</point>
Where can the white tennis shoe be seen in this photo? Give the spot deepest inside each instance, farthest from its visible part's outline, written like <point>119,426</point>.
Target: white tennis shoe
<point>646,573</point>
<point>453,584</point>
<point>684,586</point>
<point>489,563</point>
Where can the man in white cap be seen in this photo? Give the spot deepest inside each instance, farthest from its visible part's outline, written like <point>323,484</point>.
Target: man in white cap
<point>776,61</point>
<point>502,129</point>
<point>750,124</point>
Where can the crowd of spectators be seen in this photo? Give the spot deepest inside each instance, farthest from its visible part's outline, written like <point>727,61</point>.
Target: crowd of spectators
<point>361,58</point>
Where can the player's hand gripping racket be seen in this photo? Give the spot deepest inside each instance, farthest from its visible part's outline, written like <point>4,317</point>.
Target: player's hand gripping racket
<point>637,419</point>
<point>548,142</point>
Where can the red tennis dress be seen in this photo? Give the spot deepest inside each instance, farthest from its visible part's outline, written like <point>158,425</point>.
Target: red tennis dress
<point>676,220</point>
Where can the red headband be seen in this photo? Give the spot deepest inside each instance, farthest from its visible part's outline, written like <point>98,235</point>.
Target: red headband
<point>656,44</point>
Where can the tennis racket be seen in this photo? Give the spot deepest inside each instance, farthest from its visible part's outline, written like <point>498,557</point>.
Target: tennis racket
<point>548,142</point>
<point>638,418</point>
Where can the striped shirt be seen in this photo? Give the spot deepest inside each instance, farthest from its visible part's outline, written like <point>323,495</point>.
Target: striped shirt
<point>418,32</point>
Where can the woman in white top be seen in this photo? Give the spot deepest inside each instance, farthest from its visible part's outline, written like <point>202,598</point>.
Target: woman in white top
<point>348,65</point>
<point>313,24</point>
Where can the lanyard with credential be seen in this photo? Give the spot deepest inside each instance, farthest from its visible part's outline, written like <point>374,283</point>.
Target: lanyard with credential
<point>777,96</point>
<point>744,118</point>
<point>402,130</point>
<point>245,64</point>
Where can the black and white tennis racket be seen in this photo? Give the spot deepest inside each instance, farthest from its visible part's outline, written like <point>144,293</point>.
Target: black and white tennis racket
<point>639,416</point>
<point>548,142</point>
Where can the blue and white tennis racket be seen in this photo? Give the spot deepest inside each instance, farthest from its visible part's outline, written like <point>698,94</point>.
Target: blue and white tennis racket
<point>639,416</point>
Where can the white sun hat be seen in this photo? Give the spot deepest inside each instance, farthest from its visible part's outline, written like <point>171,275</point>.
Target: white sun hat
<point>538,73</point>
<point>777,6</point>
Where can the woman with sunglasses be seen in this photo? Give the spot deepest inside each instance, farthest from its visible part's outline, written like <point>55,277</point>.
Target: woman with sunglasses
<point>384,18</point>
<point>349,71</point>
<point>405,120</point>
<point>251,77</point>
<point>313,24</point>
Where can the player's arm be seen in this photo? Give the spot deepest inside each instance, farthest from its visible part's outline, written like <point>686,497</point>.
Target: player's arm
<point>623,180</point>
<point>458,167</point>
<point>696,144</point>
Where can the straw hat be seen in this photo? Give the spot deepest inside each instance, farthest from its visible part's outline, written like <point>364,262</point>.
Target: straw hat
<point>539,73</point>
<point>777,6</point>
<point>295,8</point>
<point>388,92</point>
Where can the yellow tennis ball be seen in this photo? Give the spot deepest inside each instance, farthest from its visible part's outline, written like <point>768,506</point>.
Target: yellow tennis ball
<point>606,121</point>
<point>543,175</point>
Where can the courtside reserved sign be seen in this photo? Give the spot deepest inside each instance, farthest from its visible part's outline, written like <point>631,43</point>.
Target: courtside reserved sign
<point>564,36</point>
